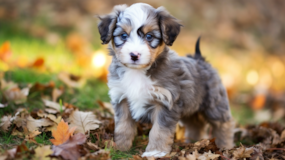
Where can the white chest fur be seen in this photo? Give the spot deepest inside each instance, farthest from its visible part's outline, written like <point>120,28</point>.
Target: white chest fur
<point>136,87</point>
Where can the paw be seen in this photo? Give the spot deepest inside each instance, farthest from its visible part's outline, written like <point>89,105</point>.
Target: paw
<point>154,153</point>
<point>123,146</point>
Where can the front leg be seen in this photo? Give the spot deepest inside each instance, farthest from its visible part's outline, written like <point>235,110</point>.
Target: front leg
<point>125,126</point>
<point>162,132</point>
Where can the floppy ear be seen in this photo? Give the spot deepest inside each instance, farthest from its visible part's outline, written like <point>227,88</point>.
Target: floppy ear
<point>169,26</point>
<point>108,22</point>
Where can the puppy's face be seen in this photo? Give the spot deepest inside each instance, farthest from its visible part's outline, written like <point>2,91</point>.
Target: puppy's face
<point>138,33</point>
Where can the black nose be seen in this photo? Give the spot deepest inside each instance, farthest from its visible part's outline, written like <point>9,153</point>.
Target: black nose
<point>134,57</point>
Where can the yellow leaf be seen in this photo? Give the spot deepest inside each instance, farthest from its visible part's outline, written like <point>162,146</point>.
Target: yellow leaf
<point>41,153</point>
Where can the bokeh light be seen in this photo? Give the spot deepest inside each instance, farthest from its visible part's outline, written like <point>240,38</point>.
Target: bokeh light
<point>99,59</point>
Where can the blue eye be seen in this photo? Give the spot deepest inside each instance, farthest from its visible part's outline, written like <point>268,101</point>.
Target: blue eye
<point>148,37</point>
<point>124,36</point>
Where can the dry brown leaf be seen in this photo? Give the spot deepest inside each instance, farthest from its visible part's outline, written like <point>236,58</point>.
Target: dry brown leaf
<point>208,156</point>
<point>195,155</point>
<point>71,148</point>
<point>53,105</point>
<point>32,135</point>
<point>13,93</point>
<point>5,123</point>
<point>106,106</point>
<point>69,81</point>
<point>28,123</point>
<point>83,121</point>
<point>201,144</point>
<point>243,152</point>
<point>15,132</point>
<point>92,146</point>
<point>42,152</point>
<point>62,133</point>
<point>52,117</point>
<point>34,124</point>
<point>12,153</point>
<point>51,111</point>
<point>56,93</point>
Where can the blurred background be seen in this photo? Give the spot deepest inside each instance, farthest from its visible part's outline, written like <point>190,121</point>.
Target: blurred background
<point>244,40</point>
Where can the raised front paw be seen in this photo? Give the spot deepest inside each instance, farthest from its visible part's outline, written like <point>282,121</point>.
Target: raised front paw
<point>154,153</point>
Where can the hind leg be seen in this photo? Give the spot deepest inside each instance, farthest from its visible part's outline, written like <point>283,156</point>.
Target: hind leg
<point>195,127</point>
<point>223,132</point>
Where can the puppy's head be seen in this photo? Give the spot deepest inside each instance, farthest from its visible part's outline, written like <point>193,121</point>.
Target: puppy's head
<point>138,33</point>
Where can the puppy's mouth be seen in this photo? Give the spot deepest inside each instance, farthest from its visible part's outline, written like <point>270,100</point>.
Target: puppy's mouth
<point>135,65</point>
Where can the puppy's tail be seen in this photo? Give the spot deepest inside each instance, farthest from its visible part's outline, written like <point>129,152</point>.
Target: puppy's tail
<point>198,54</point>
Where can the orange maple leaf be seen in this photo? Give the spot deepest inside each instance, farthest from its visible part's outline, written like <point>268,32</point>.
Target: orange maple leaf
<point>62,133</point>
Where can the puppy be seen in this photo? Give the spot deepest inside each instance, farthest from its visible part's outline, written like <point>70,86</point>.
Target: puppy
<point>150,83</point>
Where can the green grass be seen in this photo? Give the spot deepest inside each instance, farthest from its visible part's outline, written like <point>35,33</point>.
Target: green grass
<point>43,138</point>
<point>243,114</point>
<point>83,98</point>
<point>116,154</point>
<point>8,141</point>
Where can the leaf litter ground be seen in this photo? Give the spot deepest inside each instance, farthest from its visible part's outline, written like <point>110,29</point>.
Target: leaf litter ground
<point>41,120</point>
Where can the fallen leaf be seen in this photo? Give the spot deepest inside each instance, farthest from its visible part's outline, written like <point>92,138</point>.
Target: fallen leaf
<point>39,62</point>
<point>208,156</point>
<point>34,124</point>
<point>201,144</point>
<point>71,148</point>
<point>42,152</point>
<point>13,93</point>
<point>92,146</point>
<point>195,155</point>
<point>107,106</point>
<point>13,153</point>
<point>51,111</point>
<point>242,152</point>
<point>53,105</point>
<point>32,135</point>
<point>23,119</point>
<point>56,93</point>
<point>69,81</point>
<point>5,51</point>
<point>62,133</point>
<point>83,121</point>
<point>42,87</point>
<point>258,101</point>
<point>5,123</point>
<point>52,117</point>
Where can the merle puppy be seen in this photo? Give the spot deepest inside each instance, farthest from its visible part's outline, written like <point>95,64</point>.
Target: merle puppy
<point>150,83</point>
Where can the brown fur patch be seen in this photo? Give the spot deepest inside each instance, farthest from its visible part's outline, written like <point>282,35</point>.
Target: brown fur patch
<point>155,52</point>
<point>127,28</point>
